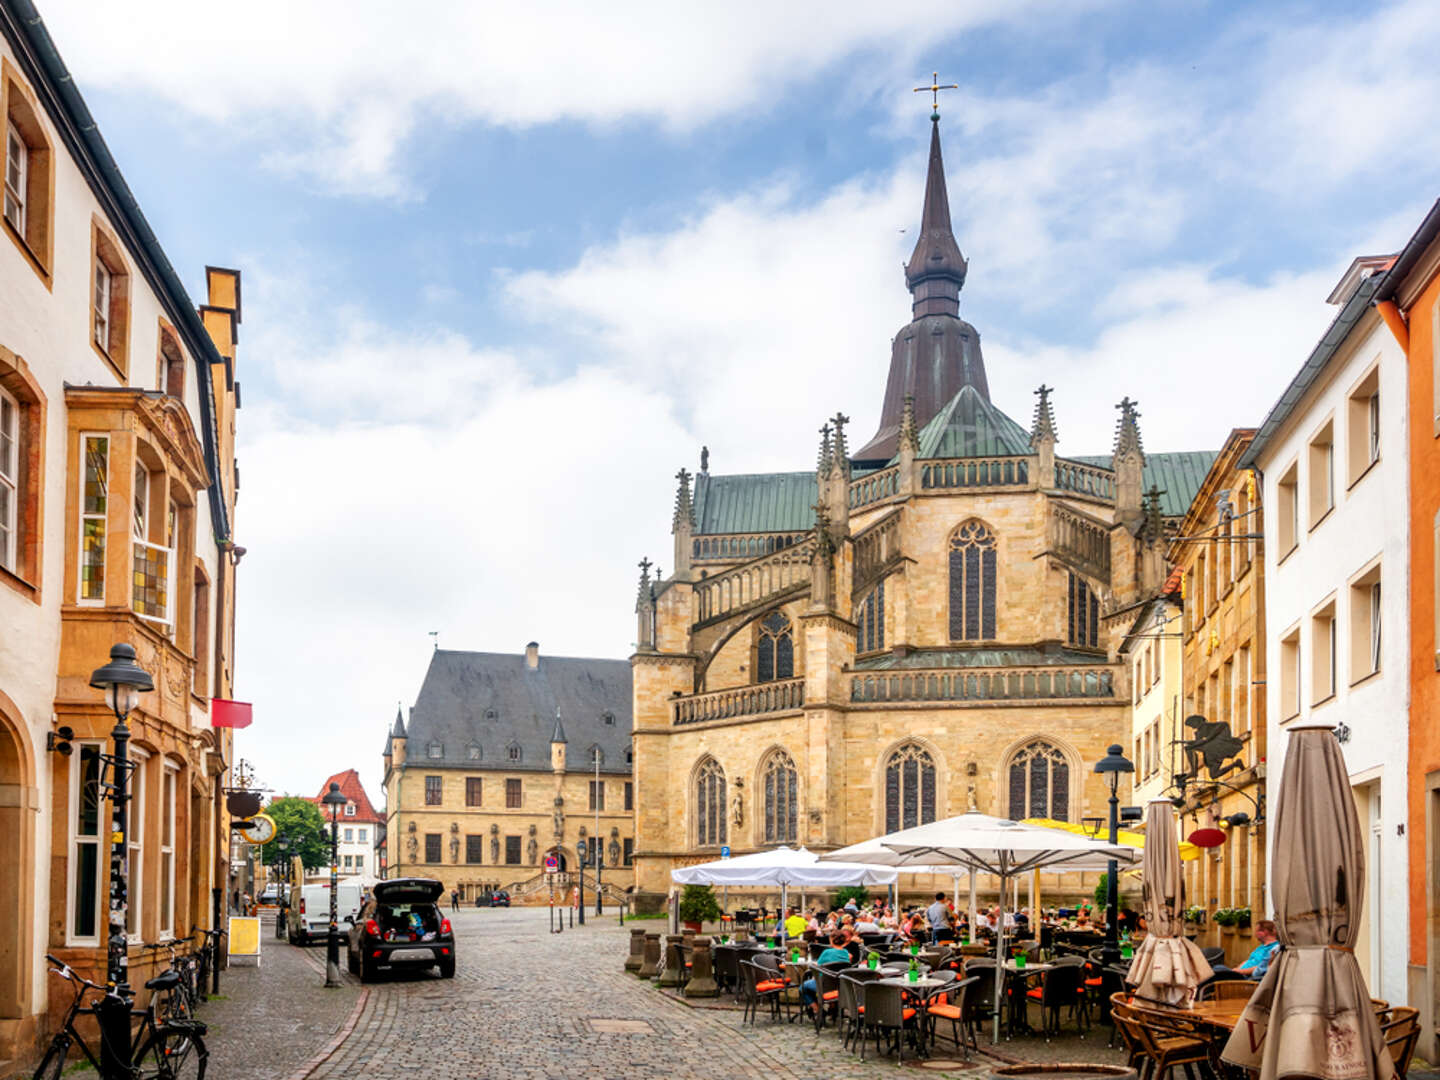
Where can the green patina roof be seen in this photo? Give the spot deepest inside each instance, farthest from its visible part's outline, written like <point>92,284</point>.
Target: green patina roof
<point>969,426</point>
<point>1178,475</point>
<point>968,658</point>
<point>755,502</point>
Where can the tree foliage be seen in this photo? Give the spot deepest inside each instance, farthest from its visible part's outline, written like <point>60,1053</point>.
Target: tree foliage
<point>698,904</point>
<point>299,822</point>
<point>846,893</point>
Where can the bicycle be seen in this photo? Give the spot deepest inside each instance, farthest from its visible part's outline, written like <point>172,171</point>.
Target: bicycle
<point>209,959</point>
<point>165,1050</point>
<point>182,1000</point>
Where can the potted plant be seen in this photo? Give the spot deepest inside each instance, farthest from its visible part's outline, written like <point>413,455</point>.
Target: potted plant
<point>1227,919</point>
<point>698,905</point>
<point>1195,914</point>
<point>1242,921</point>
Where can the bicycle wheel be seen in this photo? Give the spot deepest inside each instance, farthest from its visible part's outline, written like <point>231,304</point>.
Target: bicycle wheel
<point>173,1053</point>
<point>53,1063</point>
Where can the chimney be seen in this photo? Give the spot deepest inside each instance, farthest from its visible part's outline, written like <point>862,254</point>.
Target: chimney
<point>532,655</point>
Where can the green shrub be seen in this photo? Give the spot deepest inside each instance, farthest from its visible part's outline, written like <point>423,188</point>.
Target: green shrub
<point>851,892</point>
<point>698,904</point>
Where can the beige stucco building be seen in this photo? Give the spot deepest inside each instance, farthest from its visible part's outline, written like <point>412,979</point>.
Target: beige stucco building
<point>508,758</point>
<point>909,630</point>
<point>117,508</point>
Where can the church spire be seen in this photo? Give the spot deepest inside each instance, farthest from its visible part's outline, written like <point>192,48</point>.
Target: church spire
<point>1043,428</point>
<point>936,270</point>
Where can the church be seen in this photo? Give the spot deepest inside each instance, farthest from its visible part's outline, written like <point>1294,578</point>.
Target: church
<point>923,625</point>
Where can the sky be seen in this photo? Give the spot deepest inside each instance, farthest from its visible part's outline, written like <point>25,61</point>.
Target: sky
<point>507,268</point>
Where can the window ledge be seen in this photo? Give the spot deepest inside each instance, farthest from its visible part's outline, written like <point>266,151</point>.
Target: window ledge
<point>1363,473</point>
<point>1373,675</point>
<point>1323,701</point>
<point>110,362</point>
<point>30,591</point>
<point>1293,548</point>
<point>33,259</point>
<point>1317,522</point>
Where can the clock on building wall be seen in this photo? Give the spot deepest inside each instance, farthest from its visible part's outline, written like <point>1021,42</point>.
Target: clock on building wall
<point>259,829</point>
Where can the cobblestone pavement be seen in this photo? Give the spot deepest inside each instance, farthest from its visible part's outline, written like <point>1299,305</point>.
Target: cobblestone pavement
<point>530,1005</point>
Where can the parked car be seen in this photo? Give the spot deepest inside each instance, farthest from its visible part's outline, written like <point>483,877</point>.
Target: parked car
<point>401,926</point>
<point>499,898</point>
<point>310,917</point>
<point>271,894</point>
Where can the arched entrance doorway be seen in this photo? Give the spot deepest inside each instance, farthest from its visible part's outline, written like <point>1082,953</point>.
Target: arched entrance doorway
<point>559,853</point>
<point>18,808</point>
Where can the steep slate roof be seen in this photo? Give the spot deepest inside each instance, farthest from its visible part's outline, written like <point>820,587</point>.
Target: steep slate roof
<point>969,426</point>
<point>755,502</point>
<point>461,687</point>
<point>1178,475</point>
<point>353,790</point>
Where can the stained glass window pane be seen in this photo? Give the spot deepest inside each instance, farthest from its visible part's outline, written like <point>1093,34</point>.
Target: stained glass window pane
<point>1039,786</point>
<point>1060,791</point>
<point>988,593</point>
<point>775,622</point>
<point>879,616</point>
<point>892,797</point>
<point>792,812</point>
<point>957,595</point>
<point>720,819</point>
<point>770,804</point>
<point>1017,789</point>
<point>911,805</point>
<point>972,593</point>
<point>765,661</point>
<point>927,793</point>
<point>785,656</point>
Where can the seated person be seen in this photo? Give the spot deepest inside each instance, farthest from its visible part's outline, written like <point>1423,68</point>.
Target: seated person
<point>794,924</point>
<point>866,924</point>
<point>835,954</point>
<point>1258,962</point>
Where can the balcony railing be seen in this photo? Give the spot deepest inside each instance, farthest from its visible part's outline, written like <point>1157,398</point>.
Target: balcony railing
<point>874,487</point>
<point>732,547</point>
<point>754,582</point>
<point>741,701</point>
<point>976,473</point>
<point>985,684</point>
<point>153,568</point>
<point>1084,479</point>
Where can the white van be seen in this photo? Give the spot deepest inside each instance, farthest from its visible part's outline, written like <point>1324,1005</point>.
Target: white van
<point>309,915</point>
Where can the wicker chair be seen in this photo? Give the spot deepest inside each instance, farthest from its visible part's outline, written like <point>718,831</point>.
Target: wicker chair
<point>1402,1032</point>
<point>1062,988</point>
<point>759,985</point>
<point>851,999</point>
<point>887,1014</point>
<point>950,1004</point>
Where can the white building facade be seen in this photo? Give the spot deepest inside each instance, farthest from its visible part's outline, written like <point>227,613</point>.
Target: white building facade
<point>1332,456</point>
<point>1154,651</point>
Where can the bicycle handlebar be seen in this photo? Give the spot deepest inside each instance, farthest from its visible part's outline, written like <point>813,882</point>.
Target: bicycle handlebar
<point>65,971</point>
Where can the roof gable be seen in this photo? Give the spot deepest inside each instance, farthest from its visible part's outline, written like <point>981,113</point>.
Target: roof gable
<point>354,791</point>
<point>970,426</point>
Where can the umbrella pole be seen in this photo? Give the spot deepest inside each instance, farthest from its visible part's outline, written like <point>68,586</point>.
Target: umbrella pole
<point>784,895</point>
<point>973,912</point>
<point>999,961</point>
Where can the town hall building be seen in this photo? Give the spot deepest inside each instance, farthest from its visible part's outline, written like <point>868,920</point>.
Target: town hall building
<point>924,625</point>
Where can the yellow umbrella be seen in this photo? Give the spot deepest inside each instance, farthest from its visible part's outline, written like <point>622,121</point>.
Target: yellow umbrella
<point>1188,850</point>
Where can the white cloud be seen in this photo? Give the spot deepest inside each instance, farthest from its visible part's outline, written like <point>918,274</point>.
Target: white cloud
<point>337,86</point>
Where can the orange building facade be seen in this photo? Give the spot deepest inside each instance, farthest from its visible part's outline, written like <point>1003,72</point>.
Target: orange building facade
<point>1409,301</point>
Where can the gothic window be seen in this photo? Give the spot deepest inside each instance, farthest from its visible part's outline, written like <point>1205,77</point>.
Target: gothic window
<point>1039,777</point>
<point>1084,623</point>
<point>781,805</point>
<point>870,618</point>
<point>710,804</point>
<point>972,582</point>
<point>909,788</point>
<point>775,651</point>
<point>513,751</point>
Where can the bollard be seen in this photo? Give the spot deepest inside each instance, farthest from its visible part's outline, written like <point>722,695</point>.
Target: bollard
<point>636,959</point>
<point>702,973</point>
<point>674,972</point>
<point>650,966</point>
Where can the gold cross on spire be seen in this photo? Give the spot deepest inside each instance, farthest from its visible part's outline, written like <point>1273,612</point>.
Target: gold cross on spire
<point>935,89</point>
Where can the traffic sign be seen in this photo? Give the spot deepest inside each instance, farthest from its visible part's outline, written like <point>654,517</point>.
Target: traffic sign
<point>725,852</point>
<point>552,864</point>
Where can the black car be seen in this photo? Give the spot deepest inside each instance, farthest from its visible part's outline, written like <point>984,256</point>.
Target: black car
<point>498,898</point>
<point>401,926</point>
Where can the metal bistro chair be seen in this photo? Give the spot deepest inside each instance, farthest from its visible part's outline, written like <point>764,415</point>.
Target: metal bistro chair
<point>727,974</point>
<point>885,1012</point>
<point>1060,988</point>
<point>759,985</point>
<point>950,1004</point>
<point>792,997</point>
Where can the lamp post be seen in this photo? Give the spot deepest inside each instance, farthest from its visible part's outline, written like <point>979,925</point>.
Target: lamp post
<point>1111,766</point>
<point>123,681</point>
<point>599,856</point>
<point>282,880</point>
<point>334,800</point>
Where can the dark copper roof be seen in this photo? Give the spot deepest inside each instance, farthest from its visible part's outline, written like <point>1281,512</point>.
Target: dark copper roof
<point>938,353</point>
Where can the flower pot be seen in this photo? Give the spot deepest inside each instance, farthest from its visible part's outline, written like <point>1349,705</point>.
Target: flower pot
<point>691,927</point>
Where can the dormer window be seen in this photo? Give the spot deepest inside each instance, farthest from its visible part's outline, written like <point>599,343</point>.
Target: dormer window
<point>513,751</point>
<point>349,809</point>
<point>435,751</point>
<point>597,756</point>
<point>609,719</point>
<point>472,752</point>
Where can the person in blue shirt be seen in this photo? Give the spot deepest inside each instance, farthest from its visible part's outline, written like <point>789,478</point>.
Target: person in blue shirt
<point>1258,962</point>
<point>836,953</point>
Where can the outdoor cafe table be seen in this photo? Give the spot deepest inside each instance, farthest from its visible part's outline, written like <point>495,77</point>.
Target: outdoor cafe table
<point>924,988</point>
<point>1019,1016</point>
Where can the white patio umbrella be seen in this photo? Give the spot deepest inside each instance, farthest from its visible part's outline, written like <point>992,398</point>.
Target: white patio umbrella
<point>993,846</point>
<point>782,867</point>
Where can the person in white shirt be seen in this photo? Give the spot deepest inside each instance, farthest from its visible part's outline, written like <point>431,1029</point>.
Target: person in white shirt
<point>866,924</point>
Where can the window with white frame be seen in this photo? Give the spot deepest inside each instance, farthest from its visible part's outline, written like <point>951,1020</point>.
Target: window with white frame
<point>9,479</point>
<point>1322,473</point>
<point>1287,509</point>
<point>86,771</point>
<point>94,506</point>
<point>364,836</point>
<point>349,809</point>
<point>1323,632</point>
<point>100,304</point>
<point>17,175</point>
<point>135,843</point>
<point>168,784</point>
<point>349,836</point>
<point>1290,674</point>
<point>1363,411</point>
<point>1365,625</point>
<point>153,557</point>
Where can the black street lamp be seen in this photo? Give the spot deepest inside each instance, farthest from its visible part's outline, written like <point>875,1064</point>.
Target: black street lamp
<point>1110,767</point>
<point>281,916</point>
<point>334,800</point>
<point>123,681</point>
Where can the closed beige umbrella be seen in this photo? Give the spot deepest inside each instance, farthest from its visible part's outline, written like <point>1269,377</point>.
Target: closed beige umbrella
<point>1167,966</point>
<point>1311,1013</point>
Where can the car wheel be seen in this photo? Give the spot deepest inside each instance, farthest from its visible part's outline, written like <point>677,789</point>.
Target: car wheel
<point>447,968</point>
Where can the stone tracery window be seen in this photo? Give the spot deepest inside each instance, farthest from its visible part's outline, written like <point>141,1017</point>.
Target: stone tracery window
<point>909,788</point>
<point>775,649</point>
<point>870,621</point>
<point>779,785</point>
<point>972,582</point>
<point>1039,778</point>
<point>710,808</point>
<point>1083,626</point>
